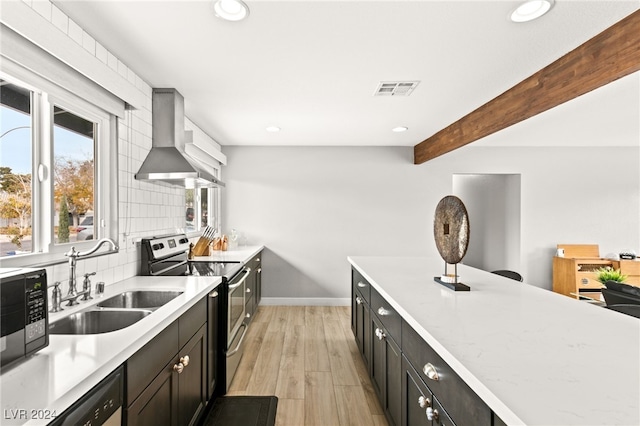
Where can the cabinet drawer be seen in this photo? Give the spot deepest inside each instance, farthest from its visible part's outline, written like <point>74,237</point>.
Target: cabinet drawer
<point>191,321</point>
<point>361,285</point>
<point>145,364</point>
<point>387,315</point>
<point>255,262</point>
<point>462,404</point>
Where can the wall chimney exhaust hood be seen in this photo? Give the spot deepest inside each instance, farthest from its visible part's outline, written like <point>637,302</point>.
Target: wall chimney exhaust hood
<point>167,160</point>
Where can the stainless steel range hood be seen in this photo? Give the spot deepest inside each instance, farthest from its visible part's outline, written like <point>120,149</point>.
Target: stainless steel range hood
<point>168,161</point>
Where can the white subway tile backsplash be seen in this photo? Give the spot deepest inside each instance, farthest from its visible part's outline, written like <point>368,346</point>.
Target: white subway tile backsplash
<point>112,61</point>
<point>43,7</point>
<point>59,19</point>
<point>75,32</point>
<point>101,53</point>
<point>89,43</point>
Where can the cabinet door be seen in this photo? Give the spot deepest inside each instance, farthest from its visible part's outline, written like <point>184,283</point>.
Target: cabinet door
<point>416,398</point>
<point>386,371</point>
<point>192,381</point>
<point>157,404</point>
<point>258,295</point>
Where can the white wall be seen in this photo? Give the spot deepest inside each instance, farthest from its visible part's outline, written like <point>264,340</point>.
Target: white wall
<point>313,207</point>
<point>494,203</point>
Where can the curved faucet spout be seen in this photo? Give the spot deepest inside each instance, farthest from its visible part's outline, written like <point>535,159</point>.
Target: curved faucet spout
<point>73,256</point>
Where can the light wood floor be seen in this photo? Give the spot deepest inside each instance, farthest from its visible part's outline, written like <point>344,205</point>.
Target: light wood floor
<point>307,357</point>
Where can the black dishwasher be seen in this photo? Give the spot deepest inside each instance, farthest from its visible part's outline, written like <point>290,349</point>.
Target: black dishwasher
<point>102,405</point>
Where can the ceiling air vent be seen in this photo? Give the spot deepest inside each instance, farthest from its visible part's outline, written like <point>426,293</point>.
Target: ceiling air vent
<point>395,88</point>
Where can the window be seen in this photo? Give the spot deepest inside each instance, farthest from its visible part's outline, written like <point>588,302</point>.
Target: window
<point>201,206</point>
<point>57,172</point>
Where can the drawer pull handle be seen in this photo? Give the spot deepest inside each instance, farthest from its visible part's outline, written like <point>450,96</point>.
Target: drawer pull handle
<point>185,360</point>
<point>432,414</point>
<point>431,372</point>
<point>179,367</point>
<point>248,290</point>
<point>383,312</point>
<point>380,334</point>
<point>358,300</point>
<point>361,284</point>
<point>424,402</point>
<point>259,270</point>
<point>213,294</point>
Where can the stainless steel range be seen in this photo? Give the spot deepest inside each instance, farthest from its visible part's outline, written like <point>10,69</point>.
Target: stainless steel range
<point>167,255</point>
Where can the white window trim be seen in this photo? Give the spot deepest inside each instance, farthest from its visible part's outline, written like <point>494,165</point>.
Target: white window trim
<point>46,94</point>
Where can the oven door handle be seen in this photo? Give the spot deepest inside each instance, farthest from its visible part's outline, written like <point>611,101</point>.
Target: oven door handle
<point>239,283</point>
<point>177,265</point>
<point>237,348</point>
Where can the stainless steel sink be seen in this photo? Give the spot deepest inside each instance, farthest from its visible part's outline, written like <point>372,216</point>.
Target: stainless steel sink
<point>140,299</point>
<point>97,321</point>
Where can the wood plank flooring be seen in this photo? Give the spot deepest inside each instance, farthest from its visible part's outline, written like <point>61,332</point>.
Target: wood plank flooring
<point>308,358</point>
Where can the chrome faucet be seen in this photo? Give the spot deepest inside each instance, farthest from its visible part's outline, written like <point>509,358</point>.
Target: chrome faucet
<point>73,256</point>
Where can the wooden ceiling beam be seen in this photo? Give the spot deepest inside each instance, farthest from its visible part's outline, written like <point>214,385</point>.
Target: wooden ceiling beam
<point>610,55</point>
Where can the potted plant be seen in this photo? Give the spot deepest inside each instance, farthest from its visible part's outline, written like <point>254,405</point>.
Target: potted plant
<point>607,273</point>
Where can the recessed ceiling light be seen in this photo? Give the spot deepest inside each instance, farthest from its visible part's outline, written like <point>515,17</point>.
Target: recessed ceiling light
<point>273,129</point>
<point>530,10</point>
<point>231,10</point>
<point>400,129</point>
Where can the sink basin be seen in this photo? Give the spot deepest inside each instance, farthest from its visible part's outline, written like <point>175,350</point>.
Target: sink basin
<point>96,322</point>
<point>140,299</point>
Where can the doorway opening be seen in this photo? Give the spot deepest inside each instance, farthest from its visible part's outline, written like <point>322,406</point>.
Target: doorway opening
<point>493,204</point>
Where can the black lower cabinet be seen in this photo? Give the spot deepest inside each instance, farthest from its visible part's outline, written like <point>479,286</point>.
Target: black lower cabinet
<point>386,371</point>
<point>166,380</point>
<point>416,398</point>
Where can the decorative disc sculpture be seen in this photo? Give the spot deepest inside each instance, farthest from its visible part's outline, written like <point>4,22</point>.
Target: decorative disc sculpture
<point>451,232</point>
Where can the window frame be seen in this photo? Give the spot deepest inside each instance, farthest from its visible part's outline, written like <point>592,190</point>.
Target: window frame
<point>46,95</point>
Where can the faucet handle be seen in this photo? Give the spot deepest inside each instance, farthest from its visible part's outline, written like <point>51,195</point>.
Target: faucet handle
<point>56,297</point>
<point>86,286</point>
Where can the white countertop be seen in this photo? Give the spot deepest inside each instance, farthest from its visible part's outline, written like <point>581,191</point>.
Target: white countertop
<point>240,254</point>
<point>534,356</point>
<point>55,377</point>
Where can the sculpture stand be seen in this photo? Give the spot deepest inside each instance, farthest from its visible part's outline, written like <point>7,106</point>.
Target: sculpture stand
<point>455,285</point>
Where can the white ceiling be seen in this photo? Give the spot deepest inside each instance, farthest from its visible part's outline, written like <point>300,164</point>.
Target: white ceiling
<point>311,67</point>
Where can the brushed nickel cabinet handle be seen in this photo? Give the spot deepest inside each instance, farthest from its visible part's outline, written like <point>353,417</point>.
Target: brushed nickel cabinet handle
<point>380,334</point>
<point>361,284</point>
<point>424,402</point>
<point>358,300</point>
<point>383,312</point>
<point>179,367</point>
<point>431,372</point>
<point>185,360</point>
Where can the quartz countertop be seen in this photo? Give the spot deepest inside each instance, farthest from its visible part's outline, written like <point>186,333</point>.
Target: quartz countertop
<point>240,254</point>
<point>535,357</point>
<point>53,378</point>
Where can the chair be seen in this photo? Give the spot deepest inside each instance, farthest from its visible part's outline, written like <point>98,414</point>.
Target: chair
<point>613,297</point>
<point>632,310</point>
<point>509,274</point>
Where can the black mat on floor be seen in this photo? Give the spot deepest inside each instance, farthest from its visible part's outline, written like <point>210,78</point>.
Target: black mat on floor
<point>243,411</point>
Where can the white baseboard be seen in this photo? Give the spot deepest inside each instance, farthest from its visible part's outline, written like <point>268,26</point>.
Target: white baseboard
<point>302,301</point>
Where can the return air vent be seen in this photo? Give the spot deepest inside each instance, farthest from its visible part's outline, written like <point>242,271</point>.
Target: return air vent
<point>395,88</point>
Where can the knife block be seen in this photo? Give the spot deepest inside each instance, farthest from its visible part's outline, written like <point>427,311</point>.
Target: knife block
<point>202,247</point>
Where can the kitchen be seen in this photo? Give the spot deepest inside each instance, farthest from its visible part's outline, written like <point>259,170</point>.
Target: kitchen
<point>313,206</point>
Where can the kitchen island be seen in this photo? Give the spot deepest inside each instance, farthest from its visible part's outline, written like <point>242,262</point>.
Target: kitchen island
<point>532,356</point>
